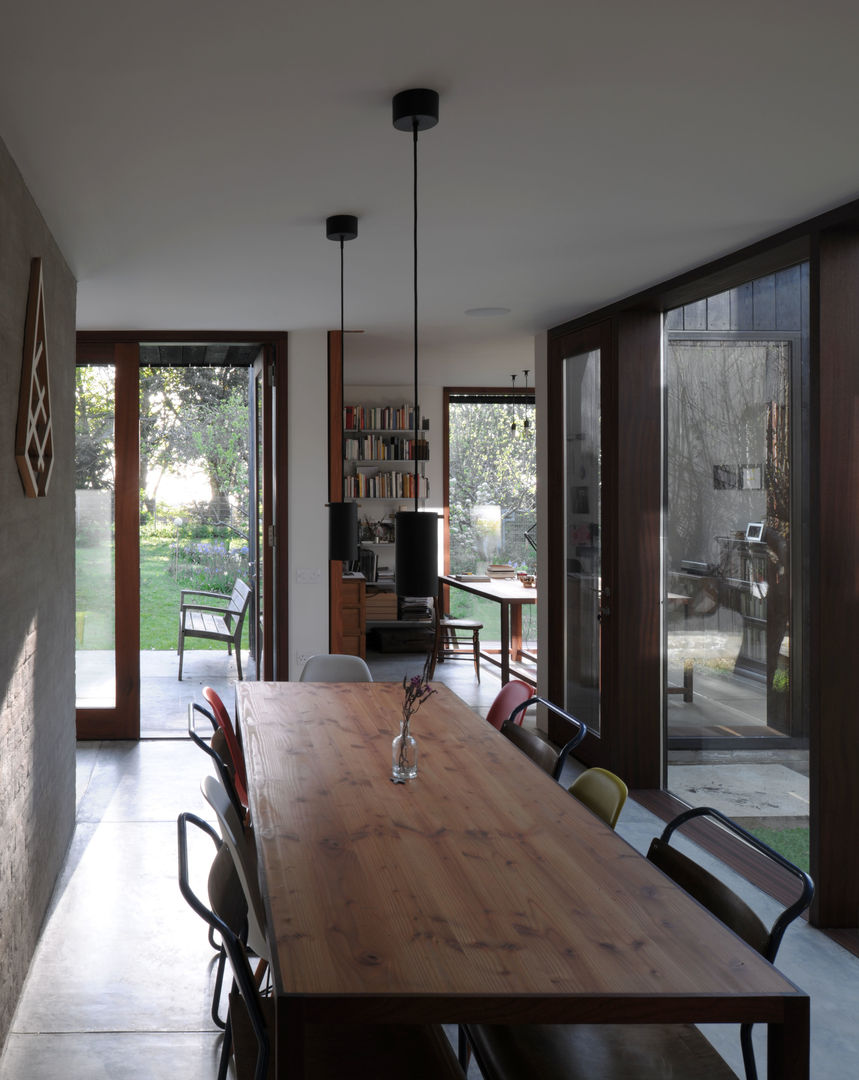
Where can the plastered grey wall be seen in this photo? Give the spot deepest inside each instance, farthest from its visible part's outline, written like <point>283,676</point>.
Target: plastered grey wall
<point>37,733</point>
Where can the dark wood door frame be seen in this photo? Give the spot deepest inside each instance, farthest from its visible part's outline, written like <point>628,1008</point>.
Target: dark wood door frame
<point>630,742</point>
<point>122,721</point>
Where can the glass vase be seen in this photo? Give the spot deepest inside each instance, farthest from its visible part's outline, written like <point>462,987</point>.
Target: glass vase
<point>404,757</point>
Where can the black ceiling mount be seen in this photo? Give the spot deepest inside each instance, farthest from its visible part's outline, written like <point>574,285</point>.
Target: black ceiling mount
<point>341,227</point>
<point>411,105</point>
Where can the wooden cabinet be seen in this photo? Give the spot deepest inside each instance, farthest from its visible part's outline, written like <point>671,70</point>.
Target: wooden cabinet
<point>353,615</point>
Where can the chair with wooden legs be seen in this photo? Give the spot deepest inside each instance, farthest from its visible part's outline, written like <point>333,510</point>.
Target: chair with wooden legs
<point>646,1051</point>
<point>456,639</point>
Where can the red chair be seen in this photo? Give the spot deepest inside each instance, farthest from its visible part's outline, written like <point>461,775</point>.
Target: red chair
<point>509,696</point>
<point>226,725</point>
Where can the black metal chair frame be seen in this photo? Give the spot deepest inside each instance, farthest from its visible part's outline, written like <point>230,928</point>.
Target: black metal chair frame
<point>243,978</point>
<point>569,746</point>
<point>784,920</point>
<point>223,770</point>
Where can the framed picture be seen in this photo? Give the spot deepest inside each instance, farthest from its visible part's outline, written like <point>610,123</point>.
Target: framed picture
<point>724,476</point>
<point>751,477</point>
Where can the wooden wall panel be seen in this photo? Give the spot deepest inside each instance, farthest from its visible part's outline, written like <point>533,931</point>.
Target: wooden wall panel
<point>835,610</point>
<point>636,700</point>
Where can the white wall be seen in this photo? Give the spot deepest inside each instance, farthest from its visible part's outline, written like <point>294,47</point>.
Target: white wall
<point>308,494</point>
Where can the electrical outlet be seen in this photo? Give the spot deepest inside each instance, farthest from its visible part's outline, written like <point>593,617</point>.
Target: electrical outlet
<point>302,658</point>
<point>308,576</point>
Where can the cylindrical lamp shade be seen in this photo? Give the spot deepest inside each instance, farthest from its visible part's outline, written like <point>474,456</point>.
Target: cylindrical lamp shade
<point>417,553</point>
<point>343,531</point>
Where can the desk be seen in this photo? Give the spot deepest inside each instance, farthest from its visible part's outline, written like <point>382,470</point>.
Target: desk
<point>510,596</point>
<point>479,892</point>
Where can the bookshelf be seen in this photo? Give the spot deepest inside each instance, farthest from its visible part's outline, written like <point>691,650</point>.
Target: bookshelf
<point>379,456</point>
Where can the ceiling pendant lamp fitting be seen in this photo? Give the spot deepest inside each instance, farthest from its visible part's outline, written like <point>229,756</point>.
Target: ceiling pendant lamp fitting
<point>513,422</point>
<point>342,516</point>
<point>527,422</point>
<point>416,532</point>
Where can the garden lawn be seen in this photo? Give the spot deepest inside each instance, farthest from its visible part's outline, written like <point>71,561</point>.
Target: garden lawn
<point>792,843</point>
<point>159,598</point>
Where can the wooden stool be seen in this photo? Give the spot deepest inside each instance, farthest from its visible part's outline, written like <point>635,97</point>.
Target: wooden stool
<point>456,639</point>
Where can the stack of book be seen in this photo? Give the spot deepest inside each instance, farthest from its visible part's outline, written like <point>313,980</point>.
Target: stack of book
<point>381,606</point>
<point>416,608</point>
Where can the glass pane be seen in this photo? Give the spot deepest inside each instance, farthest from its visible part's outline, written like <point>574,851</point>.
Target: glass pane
<point>727,556</point>
<point>95,658</point>
<point>735,613</point>
<point>582,541</point>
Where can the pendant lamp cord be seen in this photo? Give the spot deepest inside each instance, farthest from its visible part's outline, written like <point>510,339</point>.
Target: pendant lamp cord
<point>415,283</point>
<point>341,301</point>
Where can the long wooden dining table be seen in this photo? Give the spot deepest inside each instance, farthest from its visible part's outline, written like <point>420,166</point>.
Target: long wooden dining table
<point>481,891</point>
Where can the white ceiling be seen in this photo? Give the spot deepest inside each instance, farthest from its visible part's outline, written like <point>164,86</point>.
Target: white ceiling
<point>185,154</point>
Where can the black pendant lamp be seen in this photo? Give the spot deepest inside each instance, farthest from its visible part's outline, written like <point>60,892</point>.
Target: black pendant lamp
<point>416,532</point>
<point>342,516</point>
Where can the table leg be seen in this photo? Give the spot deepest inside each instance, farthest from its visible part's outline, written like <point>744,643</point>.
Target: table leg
<point>505,642</point>
<point>788,1043</point>
<point>289,1039</point>
<point>516,631</point>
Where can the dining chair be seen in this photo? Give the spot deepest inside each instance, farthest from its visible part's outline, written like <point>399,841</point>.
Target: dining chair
<point>216,748</point>
<point>359,1051</point>
<point>511,695</point>
<point>456,639</point>
<point>241,847</point>
<point>225,896</point>
<point>225,723</point>
<point>601,791</point>
<point>540,750</point>
<point>646,1051</point>
<point>335,667</point>
<point>228,928</point>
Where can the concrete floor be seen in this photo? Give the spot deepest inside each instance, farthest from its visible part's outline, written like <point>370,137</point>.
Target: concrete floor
<point>120,983</point>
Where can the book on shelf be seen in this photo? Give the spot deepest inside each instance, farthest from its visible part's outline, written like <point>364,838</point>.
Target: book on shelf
<point>381,418</point>
<point>371,484</point>
<point>385,448</point>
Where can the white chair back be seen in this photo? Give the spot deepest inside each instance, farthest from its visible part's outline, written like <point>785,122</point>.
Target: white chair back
<point>244,858</point>
<point>335,667</point>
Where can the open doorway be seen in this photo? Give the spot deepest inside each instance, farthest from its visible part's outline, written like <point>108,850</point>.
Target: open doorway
<point>491,502</point>
<point>175,484</point>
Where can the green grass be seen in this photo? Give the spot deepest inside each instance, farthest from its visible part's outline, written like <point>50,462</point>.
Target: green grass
<point>159,598</point>
<point>792,843</point>
<point>464,605</point>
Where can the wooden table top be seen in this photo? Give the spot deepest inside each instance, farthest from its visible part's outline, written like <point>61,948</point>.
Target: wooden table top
<point>503,589</point>
<point>482,890</point>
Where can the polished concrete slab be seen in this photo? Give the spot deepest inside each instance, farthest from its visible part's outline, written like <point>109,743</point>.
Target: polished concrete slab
<point>120,984</point>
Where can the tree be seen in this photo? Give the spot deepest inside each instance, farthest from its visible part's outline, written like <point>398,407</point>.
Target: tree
<point>196,415</point>
<point>94,423</point>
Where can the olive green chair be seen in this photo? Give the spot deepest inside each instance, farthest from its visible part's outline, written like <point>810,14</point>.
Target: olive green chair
<point>602,792</point>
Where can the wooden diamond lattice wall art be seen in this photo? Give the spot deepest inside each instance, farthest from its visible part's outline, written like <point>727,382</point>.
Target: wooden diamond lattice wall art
<point>34,441</point>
